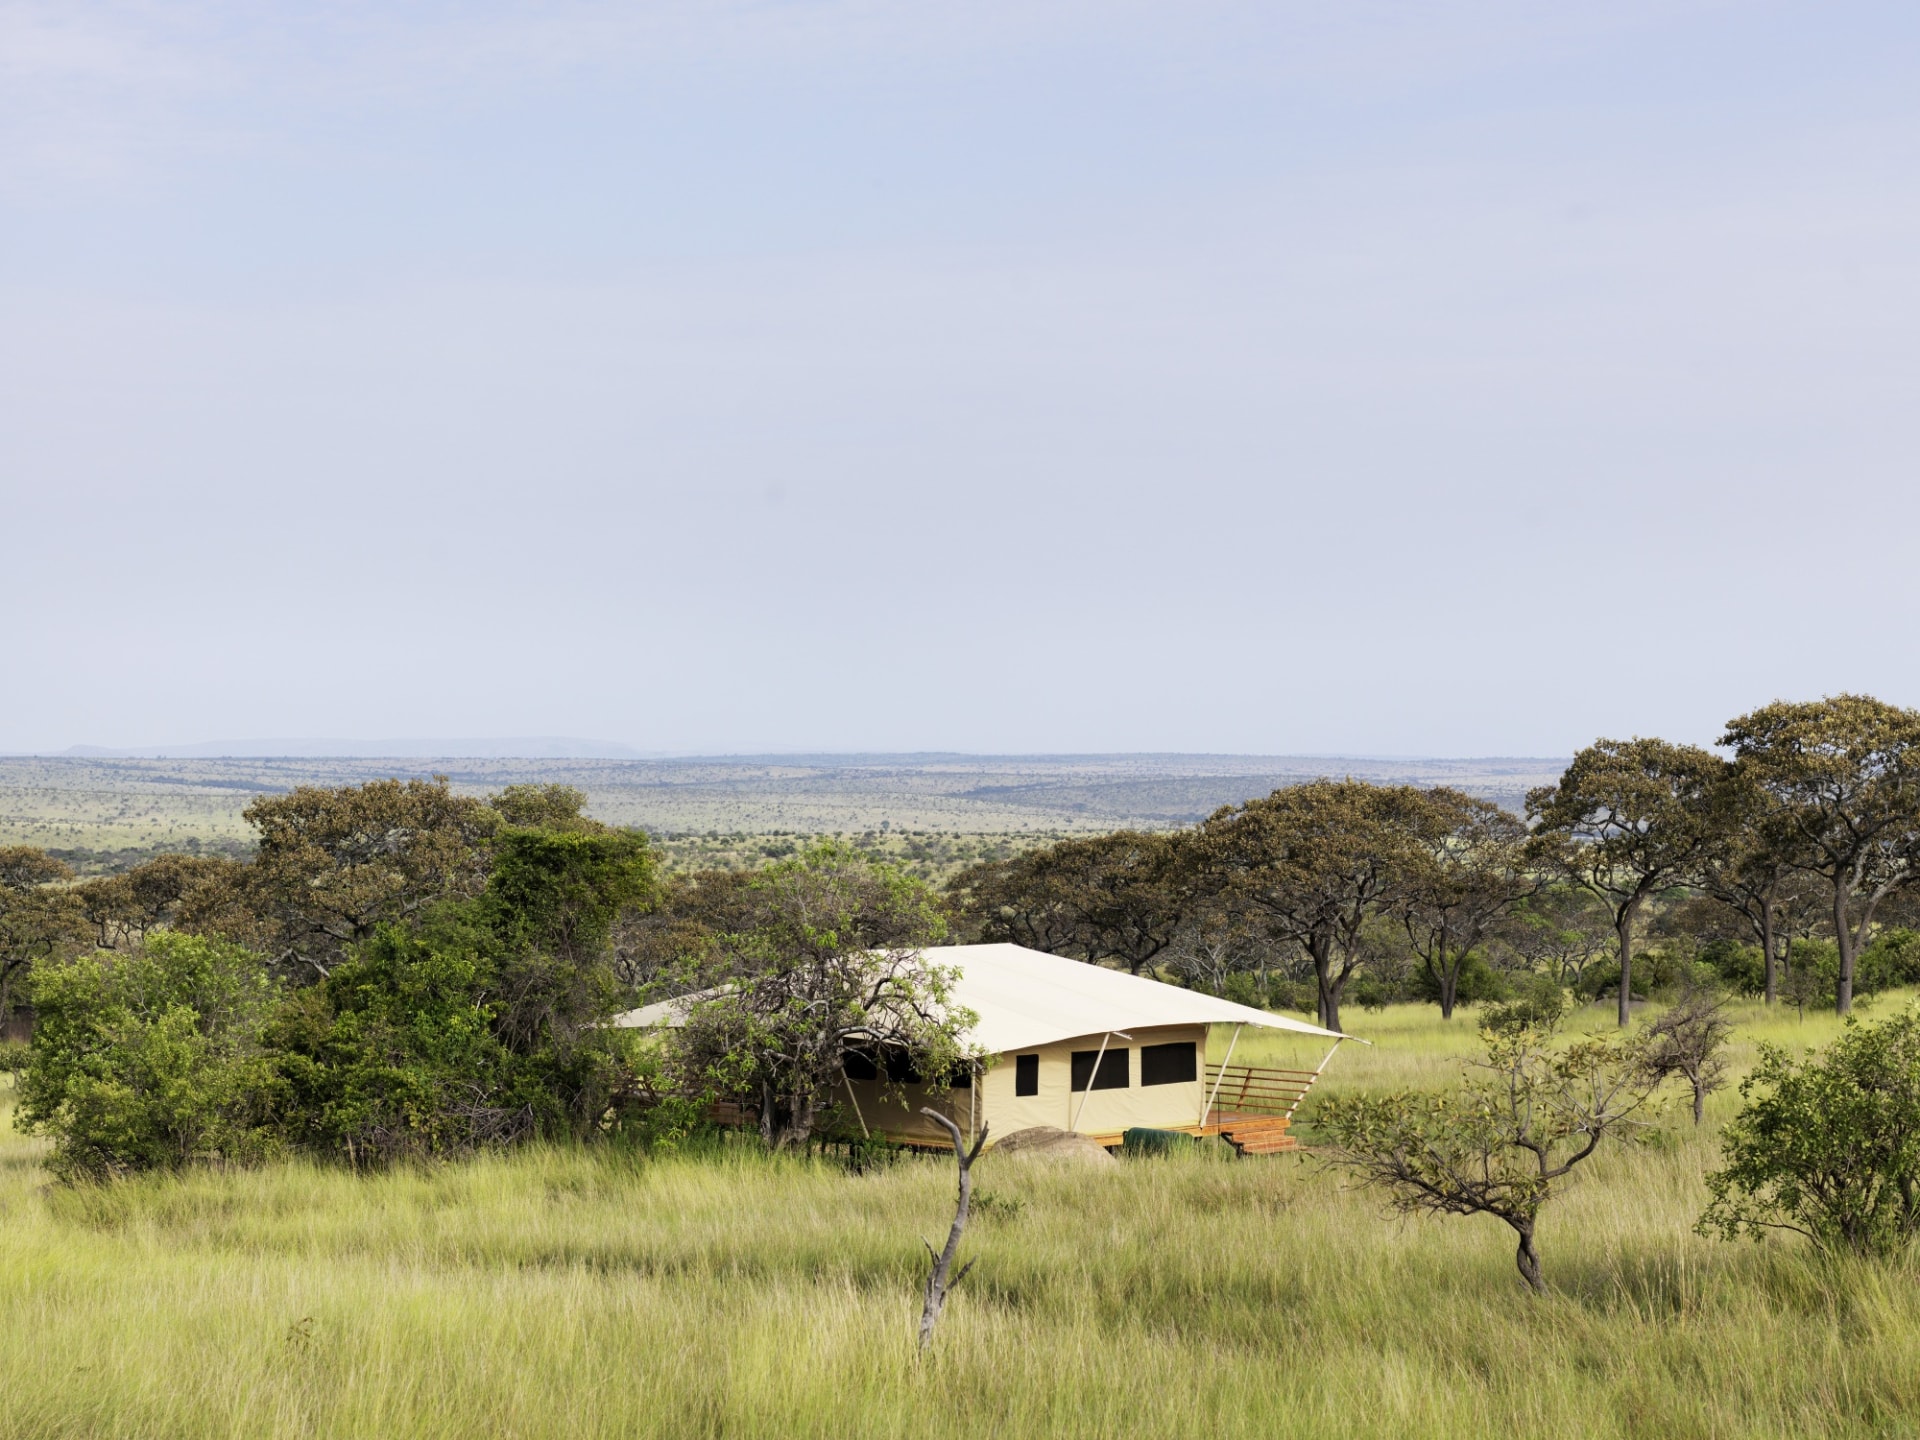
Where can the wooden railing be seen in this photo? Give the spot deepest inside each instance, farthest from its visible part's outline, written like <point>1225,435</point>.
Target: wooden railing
<point>1256,1090</point>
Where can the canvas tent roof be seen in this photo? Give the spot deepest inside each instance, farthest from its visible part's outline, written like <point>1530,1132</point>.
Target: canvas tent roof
<point>1026,998</point>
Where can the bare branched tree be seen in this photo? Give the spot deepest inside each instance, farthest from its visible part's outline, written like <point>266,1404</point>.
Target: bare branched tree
<point>941,1278</point>
<point>1686,1043</point>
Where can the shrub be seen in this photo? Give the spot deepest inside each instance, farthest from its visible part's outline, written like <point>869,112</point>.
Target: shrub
<point>1499,1143</point>
<point>151,1059</point>
<point>1740,968</point>
<point>1828,1147</point>
<point>1479,982</point>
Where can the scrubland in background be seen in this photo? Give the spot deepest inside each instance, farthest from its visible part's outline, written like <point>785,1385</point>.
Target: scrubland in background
<point>575,1293</point>
<point>932,813</point>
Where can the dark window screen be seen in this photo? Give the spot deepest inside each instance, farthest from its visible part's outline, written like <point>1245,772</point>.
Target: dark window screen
<point>1113,1069</point>
<point>960,1077</point>
<point>1026,1074</point>
<point>859,1065</point>
<point>1167,1064</point>
<point>900,1068</point>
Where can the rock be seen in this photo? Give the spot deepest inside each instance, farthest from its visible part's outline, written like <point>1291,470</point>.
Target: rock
<point>1044,1142</point>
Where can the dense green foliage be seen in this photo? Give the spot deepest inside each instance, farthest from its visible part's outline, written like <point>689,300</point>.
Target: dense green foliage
<point>1828,1147</point>
<point>153,1058</point>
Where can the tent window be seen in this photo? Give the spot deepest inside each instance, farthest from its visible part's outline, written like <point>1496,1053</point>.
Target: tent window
<point>1026,1074</point>
<point>1168,1064</point>
<point>900,1068</point>
<point>859,1065</point>
<point>1113,1069</point>
<point>960,1077</point>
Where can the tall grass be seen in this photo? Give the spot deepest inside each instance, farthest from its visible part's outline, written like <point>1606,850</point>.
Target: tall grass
<point>587,1293</point>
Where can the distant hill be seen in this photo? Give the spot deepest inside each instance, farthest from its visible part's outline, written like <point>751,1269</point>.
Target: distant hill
<point>539,747</point>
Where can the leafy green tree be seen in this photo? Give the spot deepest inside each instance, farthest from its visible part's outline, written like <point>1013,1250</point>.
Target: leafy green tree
<point>481,1021</point>
<point>1118,897</point>
<point>1628,819</point>
<point>1499,1143</point>
<point>1463,872</point>
<point>122,909</point>
<point>832,962</point>
<point>1841,778</point>
<point>39,918</point>
<point>334,865</point>
<point>544,807</point>
<point>152,1058</point>
<point>1313,864</point>
<point>1828,1147</point>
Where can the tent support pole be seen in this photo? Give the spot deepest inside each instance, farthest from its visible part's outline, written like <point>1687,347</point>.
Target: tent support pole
<point>1207,1109</point>
<point>1074,1124</point>
<point>1316,1078</point>
<point>973,1104</point>
<point>856,1105</point>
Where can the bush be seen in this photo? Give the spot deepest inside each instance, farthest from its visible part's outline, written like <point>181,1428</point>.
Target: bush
<point>1829,1147</point>
<point>152,1059</point>
<point>1479,983</point>
<point>13,1056</point>
<point>1740,968</point>
<point>1892,960</point>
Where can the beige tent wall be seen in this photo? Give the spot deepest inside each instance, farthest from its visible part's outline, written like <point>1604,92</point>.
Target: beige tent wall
<point>895,1111</point>
<point>1105,1112</point>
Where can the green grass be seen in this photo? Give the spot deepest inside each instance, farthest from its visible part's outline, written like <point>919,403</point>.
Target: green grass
<point>568,1293</point>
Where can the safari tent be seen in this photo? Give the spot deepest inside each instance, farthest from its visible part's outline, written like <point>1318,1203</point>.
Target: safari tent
<point>1079,1047</point>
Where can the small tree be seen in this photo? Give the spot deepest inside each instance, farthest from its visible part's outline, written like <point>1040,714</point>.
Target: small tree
<point>940,1276</point>
<point>832,964</point>
<point>1828,1147</point>
<point>1496,1144</point>
<point>1687,1042</point>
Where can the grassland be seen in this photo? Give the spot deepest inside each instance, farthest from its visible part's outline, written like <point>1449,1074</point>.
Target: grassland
<point>571,1293</point>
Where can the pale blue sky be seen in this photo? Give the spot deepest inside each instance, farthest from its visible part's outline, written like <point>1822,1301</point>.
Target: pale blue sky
<point>1440,378</point>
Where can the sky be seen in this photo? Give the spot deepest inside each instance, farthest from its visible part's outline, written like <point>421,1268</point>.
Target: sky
<point>1447,378</point>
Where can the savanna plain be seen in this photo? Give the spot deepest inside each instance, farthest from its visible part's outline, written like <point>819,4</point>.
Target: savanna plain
<point>728,1291</point>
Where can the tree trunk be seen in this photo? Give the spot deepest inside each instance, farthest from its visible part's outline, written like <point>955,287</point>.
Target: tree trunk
<point>1329,997</point>
<point>1843,937</point>
<point>1528,1259</point>
<point>1699,1101</point>
<point>1766,948</point>
<point>941,1279</point>
<point>1623,927</point>
<point>1449,978</point>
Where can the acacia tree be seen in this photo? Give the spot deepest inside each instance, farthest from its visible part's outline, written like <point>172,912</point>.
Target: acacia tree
<point>1117,897</point>
<point>1463,871</point>
<point>38,918</point>
<point>1496,1145</point>
<point>1628,819</point>
<point>1560,929</point>
<point>1313,864</point>
<point>832,963</point>
<point>1841,780</point>
<point>335,864</point>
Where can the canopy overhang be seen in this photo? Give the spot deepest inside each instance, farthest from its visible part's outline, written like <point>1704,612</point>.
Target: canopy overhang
<point>1025,998</point>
